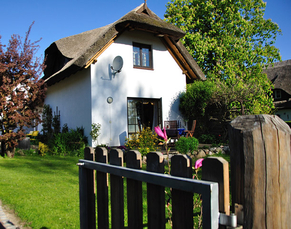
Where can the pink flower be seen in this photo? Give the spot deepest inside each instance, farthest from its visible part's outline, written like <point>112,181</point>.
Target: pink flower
<point>198,163</point>
<point>161,133</point>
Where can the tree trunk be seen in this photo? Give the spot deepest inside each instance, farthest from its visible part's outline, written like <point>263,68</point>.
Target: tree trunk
<point>2,148</point>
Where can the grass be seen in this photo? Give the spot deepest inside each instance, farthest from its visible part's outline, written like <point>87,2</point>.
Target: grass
<point>43,191</point>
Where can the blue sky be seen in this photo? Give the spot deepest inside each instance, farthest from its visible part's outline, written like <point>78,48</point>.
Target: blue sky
<point>55,19</point>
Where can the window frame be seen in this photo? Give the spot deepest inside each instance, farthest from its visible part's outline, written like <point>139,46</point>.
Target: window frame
<point>143,46</point>
<point>133,115</point>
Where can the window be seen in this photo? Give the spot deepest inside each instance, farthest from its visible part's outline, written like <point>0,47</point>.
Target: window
<point>142,56</point>
<point>277,94</point>
<point>143,113</point>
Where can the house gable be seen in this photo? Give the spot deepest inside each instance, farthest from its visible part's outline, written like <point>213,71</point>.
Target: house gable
<point>82,50</point>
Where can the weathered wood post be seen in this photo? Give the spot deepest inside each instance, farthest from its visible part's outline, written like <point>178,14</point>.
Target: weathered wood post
<point>261,170</point>
<point>86,192</point>
<point>101,155</point>
<point>134,192</point>
<point>155,193</point>
<point>116,190</point>
<point>182,202</point>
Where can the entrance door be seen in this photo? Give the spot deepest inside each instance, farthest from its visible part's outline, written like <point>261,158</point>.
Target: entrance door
<point>142,113</point>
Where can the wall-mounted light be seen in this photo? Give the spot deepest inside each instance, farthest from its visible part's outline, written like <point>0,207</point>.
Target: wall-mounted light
<point>109,100</point>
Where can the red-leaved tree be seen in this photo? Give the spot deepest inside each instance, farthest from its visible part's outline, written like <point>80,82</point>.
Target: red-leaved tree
<point>22,90</point>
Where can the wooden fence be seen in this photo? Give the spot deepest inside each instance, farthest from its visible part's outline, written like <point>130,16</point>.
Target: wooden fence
<point>180,181</point>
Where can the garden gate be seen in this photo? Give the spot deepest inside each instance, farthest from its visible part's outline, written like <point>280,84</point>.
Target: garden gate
<point>180,181</point>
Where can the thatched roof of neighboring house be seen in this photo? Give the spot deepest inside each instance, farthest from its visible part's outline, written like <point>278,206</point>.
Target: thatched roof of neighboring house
<point>280,75</point>
<point>71,54</point>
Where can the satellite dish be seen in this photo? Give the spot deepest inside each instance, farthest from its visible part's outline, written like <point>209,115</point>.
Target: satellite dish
<point>117,64</point>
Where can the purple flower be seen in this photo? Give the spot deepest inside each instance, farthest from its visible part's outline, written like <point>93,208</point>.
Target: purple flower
<point>161,133</point>
<point>198,163</point>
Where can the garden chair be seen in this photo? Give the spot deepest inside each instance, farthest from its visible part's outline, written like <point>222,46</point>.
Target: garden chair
<point>29,134</point>
<point>172,130</point>
<point>34,135</point>
<point>190,133</point>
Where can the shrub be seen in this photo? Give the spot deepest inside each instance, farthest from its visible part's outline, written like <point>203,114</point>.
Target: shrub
<point>207,138</point>
<point>95,132</point>
<point>145,142</point>
<point>193,144</point>
<point>182,145</point>
<point>65,128</point>
<point>187,145</point>
<point>71,143</point>
<point>43,149</point>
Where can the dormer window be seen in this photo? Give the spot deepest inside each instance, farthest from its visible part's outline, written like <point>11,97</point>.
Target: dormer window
<point>142,56</point>
<point>277,94</point>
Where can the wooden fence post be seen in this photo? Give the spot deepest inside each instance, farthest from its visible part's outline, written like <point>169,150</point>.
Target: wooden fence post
<point>182,202</point>
<point>261,170</point>
<point>155,193</point>
<point>134,192</point>
<point>102,189</point>
<point>216,169</point>
<point>87,195</point>
<point>117,192</point>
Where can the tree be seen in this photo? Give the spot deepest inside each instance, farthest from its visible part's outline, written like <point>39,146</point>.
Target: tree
<point>22,90</point>
<point>232,43</point>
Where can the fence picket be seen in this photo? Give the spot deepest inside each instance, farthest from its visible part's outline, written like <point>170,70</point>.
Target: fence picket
<point>86,192</point>
<point>182,201</point>
<point>134,192</point>
<point>102,189</point>
<point>116,191</point>
<point>216,169</point>
<point>155,193</point>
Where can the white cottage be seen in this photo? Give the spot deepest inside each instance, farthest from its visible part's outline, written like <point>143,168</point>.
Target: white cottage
<point>154,69</point>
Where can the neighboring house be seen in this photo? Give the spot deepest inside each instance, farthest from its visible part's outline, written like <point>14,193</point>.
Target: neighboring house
<point>280,75</point>
<point>156,67</point>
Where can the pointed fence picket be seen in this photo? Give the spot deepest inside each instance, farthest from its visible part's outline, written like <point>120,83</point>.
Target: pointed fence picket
<point>180,181</point>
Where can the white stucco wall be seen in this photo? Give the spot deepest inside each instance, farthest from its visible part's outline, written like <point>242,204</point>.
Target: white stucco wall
<point>166,81</point>
<point>72,96</point>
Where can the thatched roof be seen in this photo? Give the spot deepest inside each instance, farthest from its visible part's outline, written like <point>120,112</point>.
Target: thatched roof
<point>71,54</point>
<point>280,75</point>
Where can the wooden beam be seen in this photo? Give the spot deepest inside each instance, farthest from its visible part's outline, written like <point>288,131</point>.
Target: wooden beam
<point>173,50</point>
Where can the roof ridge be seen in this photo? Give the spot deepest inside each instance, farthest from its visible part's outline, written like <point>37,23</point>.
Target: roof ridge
<point>282,63</point>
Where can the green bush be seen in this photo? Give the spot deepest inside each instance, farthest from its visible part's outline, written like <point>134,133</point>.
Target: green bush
<point>70,143</point>
<point>145,142</point>
<point>207,138</point>
<point>95,132</point>
<point>187,145</point>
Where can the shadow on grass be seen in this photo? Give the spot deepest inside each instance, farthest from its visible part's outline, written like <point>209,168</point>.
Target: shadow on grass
<point>45,165</point>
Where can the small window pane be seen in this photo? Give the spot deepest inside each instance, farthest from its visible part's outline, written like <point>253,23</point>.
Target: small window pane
<point>131,129</point>
<point>136,56</point>
<point>145,57</point>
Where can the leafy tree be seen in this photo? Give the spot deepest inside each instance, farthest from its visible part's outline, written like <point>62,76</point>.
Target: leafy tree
<point>232,43</point>
<point>194,101</point>
<point>22,90</point>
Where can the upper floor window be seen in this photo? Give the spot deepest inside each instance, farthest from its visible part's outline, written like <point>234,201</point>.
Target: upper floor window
<point>142,56</point>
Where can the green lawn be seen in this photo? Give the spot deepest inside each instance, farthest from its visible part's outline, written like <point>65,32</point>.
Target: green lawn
<point>43,191</point>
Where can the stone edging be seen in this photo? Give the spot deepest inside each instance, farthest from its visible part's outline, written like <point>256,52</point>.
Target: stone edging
<point>4,221</point>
